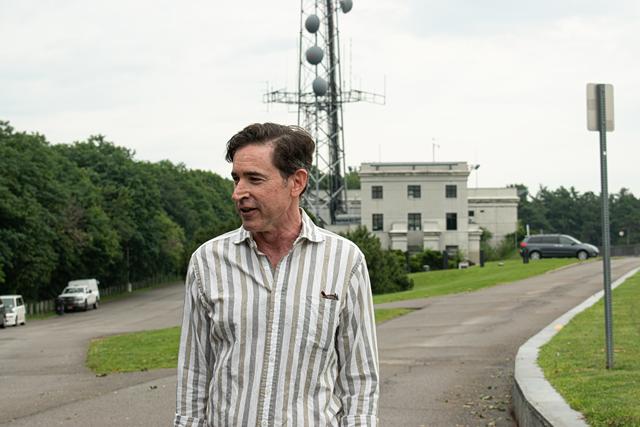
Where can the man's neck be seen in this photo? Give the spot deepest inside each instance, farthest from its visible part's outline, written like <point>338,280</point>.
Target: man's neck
<point>277,243</point>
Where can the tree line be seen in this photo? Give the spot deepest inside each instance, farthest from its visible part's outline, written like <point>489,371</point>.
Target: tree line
<point>567,211</point>
<point>88,209</point>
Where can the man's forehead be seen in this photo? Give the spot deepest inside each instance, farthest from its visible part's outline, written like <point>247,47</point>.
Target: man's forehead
<point>258,158</point>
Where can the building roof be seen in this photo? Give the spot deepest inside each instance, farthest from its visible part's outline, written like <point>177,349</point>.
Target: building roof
<point>415,168</point>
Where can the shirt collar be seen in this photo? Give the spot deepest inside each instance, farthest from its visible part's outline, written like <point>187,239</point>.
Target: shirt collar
<point>309,231</point>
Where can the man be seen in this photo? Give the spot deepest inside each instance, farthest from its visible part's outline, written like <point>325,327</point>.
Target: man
<point>278,324</point>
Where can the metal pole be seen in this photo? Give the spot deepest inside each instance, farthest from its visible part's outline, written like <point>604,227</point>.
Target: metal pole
<point>335,174</point>
<point>606,238</point>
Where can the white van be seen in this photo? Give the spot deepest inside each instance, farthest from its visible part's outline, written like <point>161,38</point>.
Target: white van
<point>81,294</point>
<point>88,283</point>
<point>15,310</point>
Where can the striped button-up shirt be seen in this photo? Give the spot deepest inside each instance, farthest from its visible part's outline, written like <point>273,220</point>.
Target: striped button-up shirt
<point>291,345</point>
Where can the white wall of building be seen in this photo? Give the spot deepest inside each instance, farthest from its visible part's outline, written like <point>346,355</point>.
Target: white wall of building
<point>432,205</point>
<point>495,209</point>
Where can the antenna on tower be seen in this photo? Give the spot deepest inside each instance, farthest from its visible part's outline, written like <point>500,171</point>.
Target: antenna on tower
<point>319,100</point>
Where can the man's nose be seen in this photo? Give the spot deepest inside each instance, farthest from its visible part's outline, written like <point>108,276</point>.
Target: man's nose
<point>239,192</point>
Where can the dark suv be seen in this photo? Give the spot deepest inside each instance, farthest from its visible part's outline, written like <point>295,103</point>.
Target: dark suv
<point>556,246</point>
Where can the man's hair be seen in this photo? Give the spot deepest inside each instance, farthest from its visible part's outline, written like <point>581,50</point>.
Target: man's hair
<point>293,146</point>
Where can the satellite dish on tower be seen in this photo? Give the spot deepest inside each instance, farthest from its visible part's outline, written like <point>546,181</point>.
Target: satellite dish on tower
<point>312,23</point>
<point>320,86</point>
<point>315,55</point>
<point>346,5</point>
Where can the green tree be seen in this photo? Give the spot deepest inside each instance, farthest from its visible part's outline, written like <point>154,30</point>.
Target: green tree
<point>566,211</point>
<point>386,268</point>
<point>28,255</point>
<point>352,179</point>
<point>625,217</point>
<point>89,209</point>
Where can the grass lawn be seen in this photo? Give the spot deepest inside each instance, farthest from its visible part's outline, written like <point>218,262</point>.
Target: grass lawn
<point>445,282</point>
<point>574,361</point>
<point>384,314</point>
<point>138,351</point>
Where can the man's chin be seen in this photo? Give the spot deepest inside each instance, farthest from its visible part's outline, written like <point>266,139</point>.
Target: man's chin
<point>251,225</point>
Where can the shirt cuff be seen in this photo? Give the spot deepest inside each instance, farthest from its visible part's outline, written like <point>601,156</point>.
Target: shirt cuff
<point>184,421</point>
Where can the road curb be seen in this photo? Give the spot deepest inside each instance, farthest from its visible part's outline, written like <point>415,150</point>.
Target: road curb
<point>535,401</point>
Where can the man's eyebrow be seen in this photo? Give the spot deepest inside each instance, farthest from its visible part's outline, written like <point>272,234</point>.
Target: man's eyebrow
<point>250,174</point>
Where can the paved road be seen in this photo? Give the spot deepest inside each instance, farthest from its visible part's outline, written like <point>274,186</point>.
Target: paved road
<point>43,380</point>
<point>448,364</point>
<point>451,363</point>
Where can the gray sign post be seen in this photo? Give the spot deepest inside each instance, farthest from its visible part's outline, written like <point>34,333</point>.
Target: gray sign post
<point>600,118</point>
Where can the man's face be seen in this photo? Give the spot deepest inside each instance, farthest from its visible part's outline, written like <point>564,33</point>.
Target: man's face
<point>263,198</point>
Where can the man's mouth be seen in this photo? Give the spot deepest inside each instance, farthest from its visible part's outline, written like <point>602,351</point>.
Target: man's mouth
<point>246,210</point>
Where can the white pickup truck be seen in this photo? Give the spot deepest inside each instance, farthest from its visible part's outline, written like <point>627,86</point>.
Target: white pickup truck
<point>80,294</point>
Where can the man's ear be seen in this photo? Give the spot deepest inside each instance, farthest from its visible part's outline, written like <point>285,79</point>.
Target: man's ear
<point>299,178</point>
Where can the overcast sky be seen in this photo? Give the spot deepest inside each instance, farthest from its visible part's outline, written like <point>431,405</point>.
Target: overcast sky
<point>497,83</point>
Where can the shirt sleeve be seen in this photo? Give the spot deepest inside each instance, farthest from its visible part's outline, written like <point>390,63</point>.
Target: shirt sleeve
<point>357,386</point>
<point>195,357</point>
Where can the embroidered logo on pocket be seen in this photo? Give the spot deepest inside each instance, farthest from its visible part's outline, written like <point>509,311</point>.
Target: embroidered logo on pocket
<point>325,295</point>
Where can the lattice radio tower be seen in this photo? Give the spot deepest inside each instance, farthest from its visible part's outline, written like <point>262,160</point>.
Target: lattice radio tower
<point>319,100</point>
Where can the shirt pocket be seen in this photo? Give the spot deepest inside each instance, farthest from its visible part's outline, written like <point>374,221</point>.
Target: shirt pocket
<point>321,315</point>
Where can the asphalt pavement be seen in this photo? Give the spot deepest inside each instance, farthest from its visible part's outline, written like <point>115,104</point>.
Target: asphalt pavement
<point>44,381</point>
<point>449,363</point>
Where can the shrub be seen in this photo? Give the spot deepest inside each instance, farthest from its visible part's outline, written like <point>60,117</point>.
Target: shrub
<point>434,259</point>
<point>387,270</point>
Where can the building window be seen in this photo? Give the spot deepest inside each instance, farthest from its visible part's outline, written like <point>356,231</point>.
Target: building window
<point>413,191</point>
<point>415,221</point>
<point>377,221</point>
<point>451,250</point>
<point>451,191</point>
<point>472,213</point>
<point>376,191</point>
<point>452,221</point>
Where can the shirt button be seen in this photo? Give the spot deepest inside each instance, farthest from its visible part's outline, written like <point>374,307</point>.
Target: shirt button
<point>272,359</point>
<point>265,423</point>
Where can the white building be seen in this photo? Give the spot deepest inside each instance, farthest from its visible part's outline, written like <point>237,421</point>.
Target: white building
<point>416,206</point>
<point>495,209</point>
